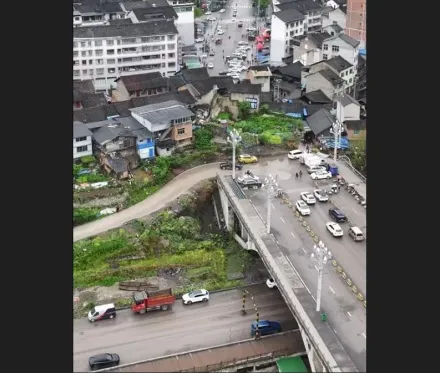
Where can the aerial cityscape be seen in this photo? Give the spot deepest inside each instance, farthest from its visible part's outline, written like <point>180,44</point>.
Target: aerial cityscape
<point>219,185</point>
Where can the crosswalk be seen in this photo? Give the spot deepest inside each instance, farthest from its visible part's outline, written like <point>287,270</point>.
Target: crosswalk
<point>239,6</point>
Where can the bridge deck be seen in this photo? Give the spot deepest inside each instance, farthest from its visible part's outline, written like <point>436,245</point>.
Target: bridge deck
<point>278,345</point>
<point>290,284</point>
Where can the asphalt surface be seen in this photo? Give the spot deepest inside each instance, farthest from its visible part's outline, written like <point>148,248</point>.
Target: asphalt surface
<point>184,328</point>
<point>225,22</point>
<point>346,315</point>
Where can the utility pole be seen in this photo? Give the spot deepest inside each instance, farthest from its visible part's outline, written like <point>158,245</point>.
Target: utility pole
<point>271,185</point>
<point>234,138</point>
<point>337,126</point>
<point>322,255</point>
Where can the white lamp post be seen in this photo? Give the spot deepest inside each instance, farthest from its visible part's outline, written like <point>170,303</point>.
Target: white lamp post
<point>234,138</point>
<point>322,256</point>
<point>271,185</point>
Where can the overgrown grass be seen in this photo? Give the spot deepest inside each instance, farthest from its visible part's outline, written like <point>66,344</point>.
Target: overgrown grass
<point>166,242</point>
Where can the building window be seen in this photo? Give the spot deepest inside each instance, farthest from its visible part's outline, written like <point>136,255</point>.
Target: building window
<point>351,80</point>
<point>171,47</point>
<point>99,52</point>
<point>84,72</point>
<point>84,62</point>
<point>181,131</point>
<point>110,42</point>
<point>99,71</point>
<point>111,61</point>
<point>98,43</point>
<point>253,102</point>
<point>357,132</point>
<point>171,64</point>
<point>325,47</point>
<point>83,44</point>
<point>351,71</point>
<point>171,37</point>
<point>81,149</point>
<point>82,138</point>
<point>335,48</point>
<point>324,56</point>
<point>75,44</point>
<point>171,55</point>
<point>75,72</point>
<point>75,54</point>
<point>100,61</point>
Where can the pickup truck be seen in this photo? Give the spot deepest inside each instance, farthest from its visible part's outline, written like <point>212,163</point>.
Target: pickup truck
<point>144,301</point>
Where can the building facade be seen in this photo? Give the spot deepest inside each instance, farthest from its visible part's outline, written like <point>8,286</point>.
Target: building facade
<point>356,26</point>
<point>185,21</point>
<point>103,53</point>
<point>82,141</point>
<point>341,45</point>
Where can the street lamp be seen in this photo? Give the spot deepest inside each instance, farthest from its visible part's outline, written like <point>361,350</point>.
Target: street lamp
<point>271,185</point>
<point>322,256</point>
<point>233,138</point>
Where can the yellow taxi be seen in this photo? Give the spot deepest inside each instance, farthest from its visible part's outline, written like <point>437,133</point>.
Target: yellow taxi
<point>246,158</point>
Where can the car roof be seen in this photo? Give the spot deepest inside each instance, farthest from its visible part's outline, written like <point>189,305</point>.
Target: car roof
<point>104,307</point>
<point>356,229</point>
<point>245,155</point>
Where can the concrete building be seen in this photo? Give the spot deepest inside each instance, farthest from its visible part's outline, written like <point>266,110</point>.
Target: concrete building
<point>347,108</point>
<point>357,20</point>
<point>139,85</point>
<point>310,9</point>
<point>341,45</point>
<point>103,53</point>
<point>326,80</point>
<point>82,140</point>
<point>260,75</point>
<point>331,16</point>
<point>100,13</point>
<point>307,49</point>
<point>185,20</point>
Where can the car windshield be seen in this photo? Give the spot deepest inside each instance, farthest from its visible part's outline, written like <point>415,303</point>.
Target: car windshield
<point>108,357</point>
<point>93,310</point>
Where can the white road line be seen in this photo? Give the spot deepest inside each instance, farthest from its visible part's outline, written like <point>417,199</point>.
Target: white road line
<point>363,335</point>
<point>316,268</point>
<point>282,219</point>
<point>272,205</point>
<point>355,212</point>
<point>305,252</point>
<point>294,237</point>
<point>277,241</point>
<point>331,289</point>
<point>349,314</point>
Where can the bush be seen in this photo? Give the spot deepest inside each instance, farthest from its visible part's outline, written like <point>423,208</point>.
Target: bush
<point>86,160</point>
<point>224,116</point>
<point>203,138</point>
<point>198,12</point>
<point>84,215</point>
<point>91,178</point>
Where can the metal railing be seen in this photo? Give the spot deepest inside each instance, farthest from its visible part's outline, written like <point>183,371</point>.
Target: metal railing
<point>347,161</point>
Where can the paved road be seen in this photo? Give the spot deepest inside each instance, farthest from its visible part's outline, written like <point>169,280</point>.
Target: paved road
<point>184,328</point>
<point>225,22</point>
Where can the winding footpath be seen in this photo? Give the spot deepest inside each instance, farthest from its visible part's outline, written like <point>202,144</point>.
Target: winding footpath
<point>175,188</point>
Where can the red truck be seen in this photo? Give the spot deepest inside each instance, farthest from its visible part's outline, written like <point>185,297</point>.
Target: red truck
<point>144,301</point>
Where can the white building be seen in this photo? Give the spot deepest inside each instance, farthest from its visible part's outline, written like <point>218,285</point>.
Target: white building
<point>331,16</point>
<point>260,75</point>
<point>341,45</point>
<point>82,140</point>
<point>308,8</point>
<point>103,53</point>
<point>286,24</point>
<point>185,20</point>
<point>97,14</point>
<point>347,108</point>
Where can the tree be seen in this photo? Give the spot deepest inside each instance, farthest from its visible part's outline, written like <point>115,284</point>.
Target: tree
<point>357,154</point>
<point>244,109</point>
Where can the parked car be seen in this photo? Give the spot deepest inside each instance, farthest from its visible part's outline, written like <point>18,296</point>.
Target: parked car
<point>302,207</point>
<point>335,229</point>
<point>240,24</point>
<point>249,182</point>
<point>208,13</point>
<point>212,19</point>
<point>271,283</point>
<point>102,361</point>
<point>222,10</point>
<point>320,195</point>
<point>294,154</point>
<point>228,166</point>
<point>314,169</point>
<point>246,158</point>
<point>265,327</point>
<point>220,32</point>
<point>195,296</point>
<point>212,53</point>
<point>308,198</point>
<point>320,175</point>
<point>200,40</point>
<point>337,215</point>
<point>210,65</point>
<point>104,311</point>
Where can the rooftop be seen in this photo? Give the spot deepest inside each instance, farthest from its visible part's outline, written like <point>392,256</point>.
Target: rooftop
<point>258,68</point>
<point>320,121</point>
<point>330,76</point>
<point>302,6</point>
<point>152,13</point>
<point>144,4</point>
<point>206,85</point>
<point>143,81</point>
<point>346,100</point>
<point>245,87</point>
<point>317,97</point>
<point>318,38</point>
<point>348,39</point>
<point>293,69</point>
<point>356,125</point>
<point>80,130</point>
<point>124,21</point>
<point>163,112</point>
<point>190,75</point>
<point>338,63</point>
<point>289,15</point>
<point>110,132</point>
<point>336,27</point>
<point>135,29</point>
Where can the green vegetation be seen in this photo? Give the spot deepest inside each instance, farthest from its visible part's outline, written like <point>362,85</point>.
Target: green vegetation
<point>224,115</point>
<point>92,177</point>
<point>84,215</point>
<point>244,110</point>
<point>167,242</point>
<point>203,139</point>
<point>271,129</point>
<point>86,160</point>
<point>198,12</point>
<point>357,154</point>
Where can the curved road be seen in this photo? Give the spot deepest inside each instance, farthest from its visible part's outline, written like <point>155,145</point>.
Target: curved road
<point>184,328</point>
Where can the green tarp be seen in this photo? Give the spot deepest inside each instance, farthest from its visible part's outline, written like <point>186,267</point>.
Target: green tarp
<point>291,365</point>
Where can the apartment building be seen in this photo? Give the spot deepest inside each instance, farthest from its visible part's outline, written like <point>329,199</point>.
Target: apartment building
<point>356,26</point>
<point>100,13</point>
<point>104,53</point>
<point>310,10</point>
<point>185,20</point>
<point>341,45</point>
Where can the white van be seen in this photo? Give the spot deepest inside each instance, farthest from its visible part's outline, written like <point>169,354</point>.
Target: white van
<point>294,154</point>
<point>105,311</point>
<point>356,234</point>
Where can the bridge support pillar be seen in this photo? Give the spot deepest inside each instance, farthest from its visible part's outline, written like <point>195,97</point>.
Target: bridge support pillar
<point>225,208</point>
<point>251,245</point>
<point>244,233</point>
<point>315,363</point>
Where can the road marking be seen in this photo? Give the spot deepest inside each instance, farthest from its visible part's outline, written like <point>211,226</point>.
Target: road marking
<point>277,241</point>
<point>355,212</point>
<point>305,252</point>
<point>272,205</point>
<point>294,237</point>
<point>349,314</point>
<point>282,219</point>
<point>363,335</point>
<point>316,268</point>
<point>331,289</point>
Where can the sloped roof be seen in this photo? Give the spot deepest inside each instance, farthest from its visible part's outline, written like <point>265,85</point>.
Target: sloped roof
<point>320,121</point>
<point>80,130</point>
<point>110,132</point>
<point>143,81</point>
<point>163,112</point>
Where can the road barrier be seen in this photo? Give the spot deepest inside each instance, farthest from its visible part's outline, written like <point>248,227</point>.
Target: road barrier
<point>340,271</point>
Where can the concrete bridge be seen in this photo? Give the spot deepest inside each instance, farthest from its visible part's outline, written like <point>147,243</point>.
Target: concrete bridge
<point>324,350</point>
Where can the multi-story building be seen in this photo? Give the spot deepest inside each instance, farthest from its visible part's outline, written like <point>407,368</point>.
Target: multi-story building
<point>341,45</point>
<point>100,13</point>
<point>82,140</point>
<point>103,53</point>
<point>356,26</point>
<point>310,10</point>
<point>185,20</point>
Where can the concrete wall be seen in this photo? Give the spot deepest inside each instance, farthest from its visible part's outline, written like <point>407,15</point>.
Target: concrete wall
<point>278,40</point>
<point>346,51</point>
<point>316,81</point>
<point>87,142</point>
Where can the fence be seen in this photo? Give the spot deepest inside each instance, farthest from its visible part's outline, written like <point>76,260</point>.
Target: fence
<point>356,172</point>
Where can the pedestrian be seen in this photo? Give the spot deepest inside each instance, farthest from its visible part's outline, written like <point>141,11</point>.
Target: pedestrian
<point>296,176</point>
<point>307,148</point>
<point>300,174</point>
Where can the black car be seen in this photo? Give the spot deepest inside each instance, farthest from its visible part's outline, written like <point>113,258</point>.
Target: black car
<point>228,166</point>
<point>102,361</point>
<point>249,182</point>
<point>337,215</point>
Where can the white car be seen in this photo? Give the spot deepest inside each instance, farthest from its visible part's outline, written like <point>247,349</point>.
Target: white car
<point>335,229</point>
<point>212,19</point>
<point>222,10</point>
<point>210,65</point>
<point>220,32</point>
<point>271,283</point>
<point>200,40</point>
<point>195,296</point>
<point>302,207</point>
<point>320,195</point>
<point>248,47</point>
<point>208,13</point>
<point>204,56</point>
<point>321,175</point>
<point>294,154</point>
<point>308,198</point>
<point>243,43</point>
<point>235,76</point>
